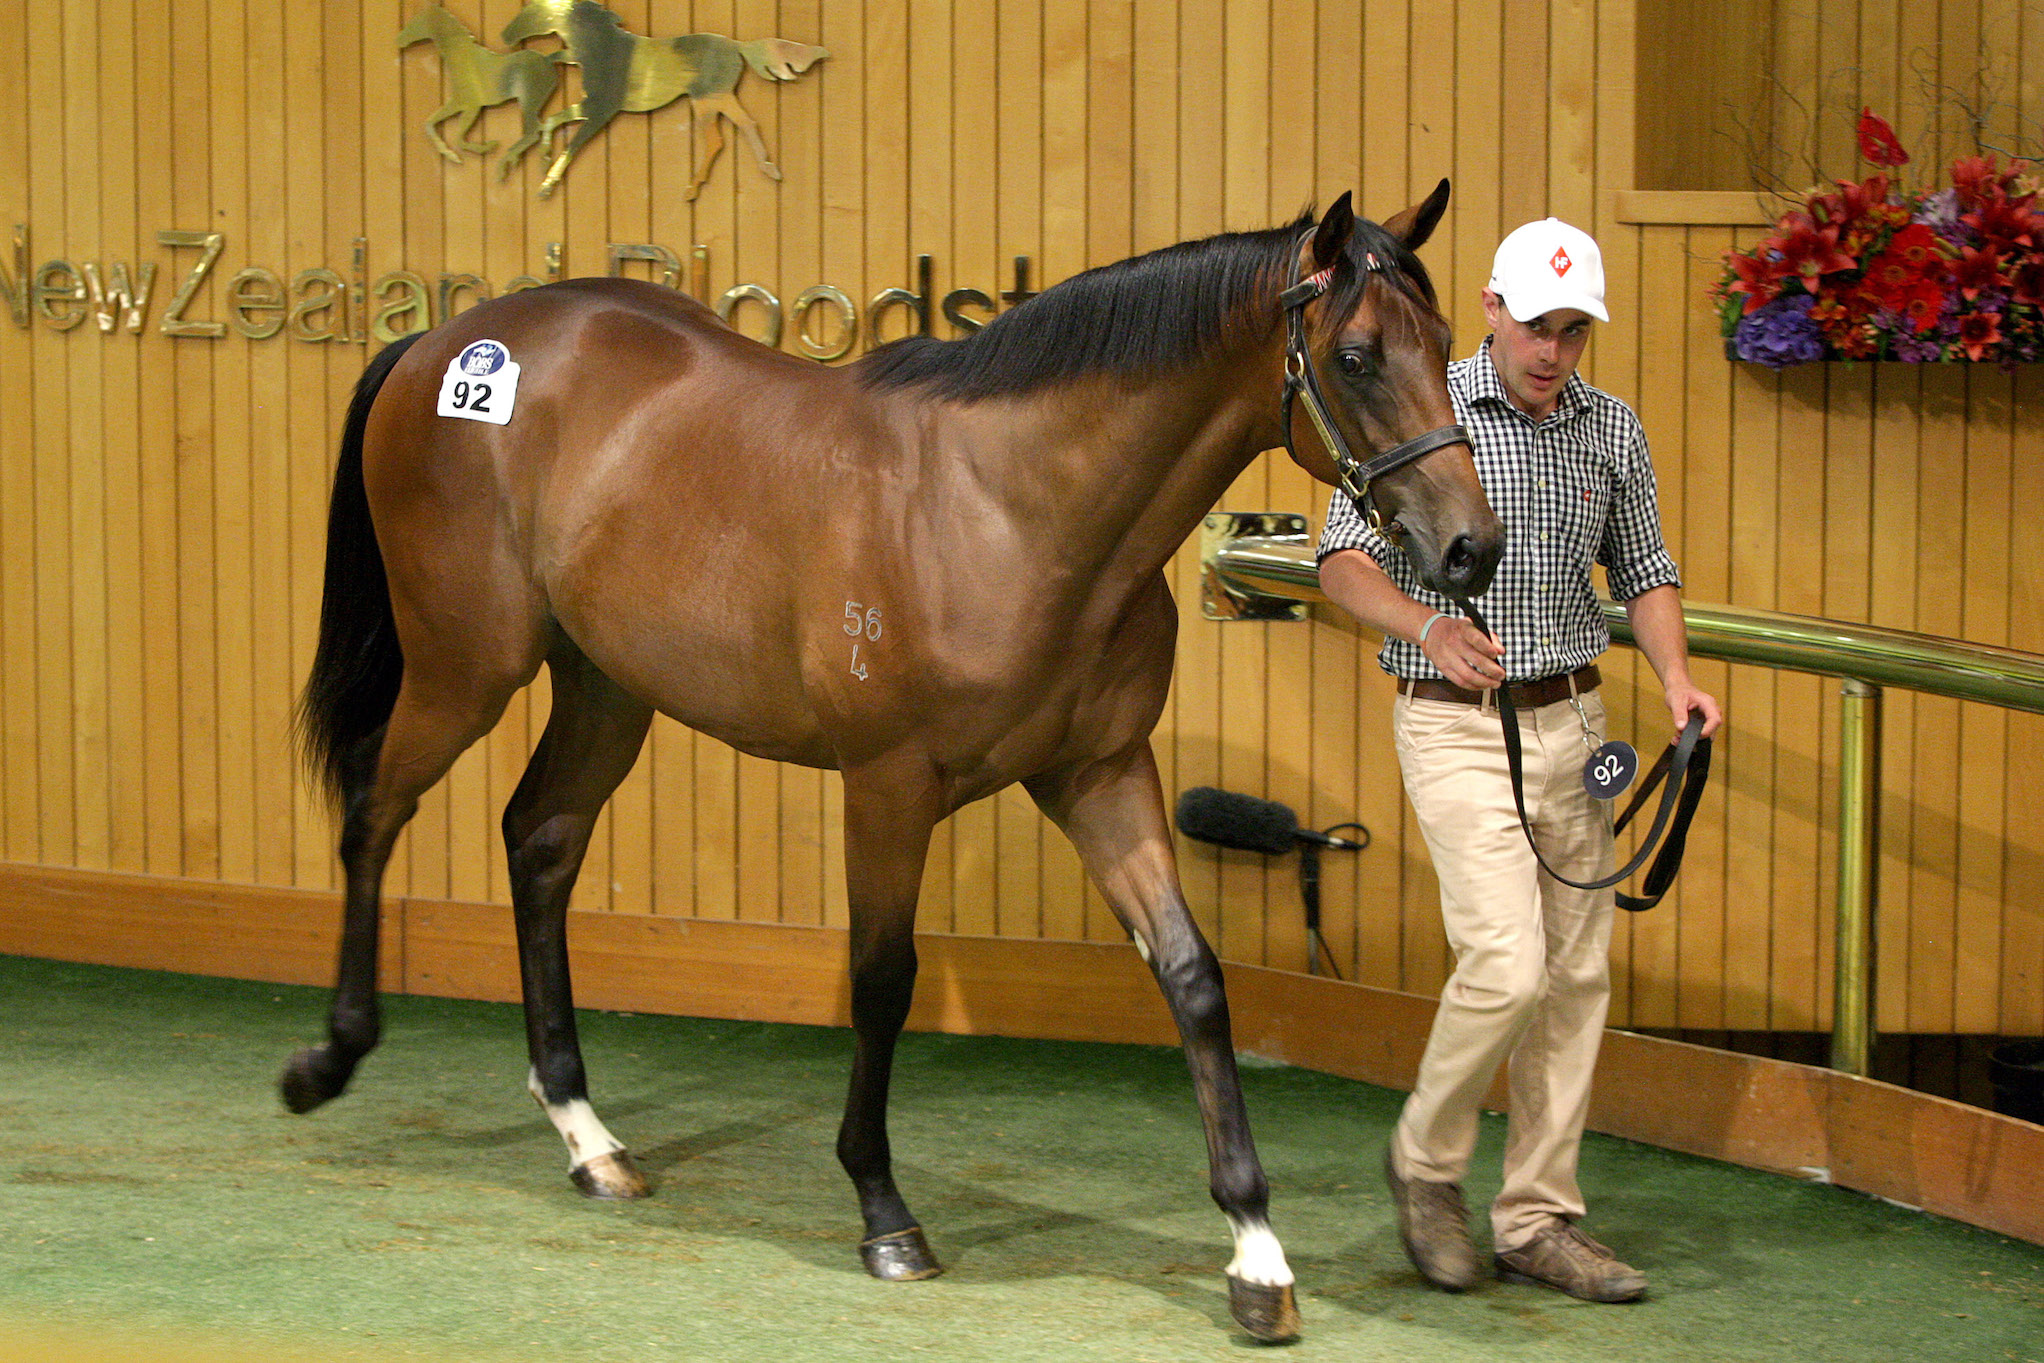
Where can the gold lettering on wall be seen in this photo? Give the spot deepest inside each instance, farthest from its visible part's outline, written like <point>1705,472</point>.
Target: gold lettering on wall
<point>210,244</point>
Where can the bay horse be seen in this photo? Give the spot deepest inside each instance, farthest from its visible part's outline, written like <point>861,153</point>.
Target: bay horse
<point>477,79</point>
<point>623,72</point>
<point>938,570</point>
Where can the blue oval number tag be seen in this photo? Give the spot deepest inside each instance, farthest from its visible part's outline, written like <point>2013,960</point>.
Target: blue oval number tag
<point>1610,769</point>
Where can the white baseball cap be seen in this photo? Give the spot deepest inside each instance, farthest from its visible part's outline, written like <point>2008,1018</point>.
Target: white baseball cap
<point>1547,265</point>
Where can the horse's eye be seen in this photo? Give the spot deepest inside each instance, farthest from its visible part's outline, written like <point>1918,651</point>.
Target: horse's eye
<point>1351,363</point>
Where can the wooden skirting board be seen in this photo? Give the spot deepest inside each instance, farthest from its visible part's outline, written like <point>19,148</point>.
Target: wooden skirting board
<point>1958,1161</point>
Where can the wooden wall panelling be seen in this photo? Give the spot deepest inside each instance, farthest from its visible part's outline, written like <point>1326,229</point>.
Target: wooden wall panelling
<point>51,511</point>
<point>1892,601</point>
<point>310,436</point>
<point>1706,568</point>
<point>144,710</point>
<point>1981,749</point>
<point>1796,839</point>
<point>115,233</point>
<point>19,781</point>
<point>2022,974</point>
<point>273,681</point>
<point>1934,843</point>
<point>1749,756</point>
<point>192,363</point>
<point>231,448</point>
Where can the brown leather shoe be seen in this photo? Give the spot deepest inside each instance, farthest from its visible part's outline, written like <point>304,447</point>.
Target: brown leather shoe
<point>1563,1257</point>
<point>1433,1226</point>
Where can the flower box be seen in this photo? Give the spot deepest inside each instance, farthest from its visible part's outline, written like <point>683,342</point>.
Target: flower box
<point>1870,271</point>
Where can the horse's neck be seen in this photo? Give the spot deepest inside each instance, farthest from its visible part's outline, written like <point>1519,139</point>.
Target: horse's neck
<point>1110,481</point>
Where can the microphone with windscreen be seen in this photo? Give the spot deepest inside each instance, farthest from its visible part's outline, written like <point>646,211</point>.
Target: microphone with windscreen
<point>1248,824</point>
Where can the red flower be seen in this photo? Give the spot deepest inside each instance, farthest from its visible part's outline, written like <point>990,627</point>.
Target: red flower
<point>1980,179</point>
<point>1757,279</point>
<point>1878,143</point>
<point>2004,222</point>
<point>1908,278</point>
<point>1978,331</point>
<point>1977,271</point>
<point>1806,249</point>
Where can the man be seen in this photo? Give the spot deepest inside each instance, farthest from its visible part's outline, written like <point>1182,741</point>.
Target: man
<point>1566,468</point>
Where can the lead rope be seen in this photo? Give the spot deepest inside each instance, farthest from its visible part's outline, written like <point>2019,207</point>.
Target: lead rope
<point>1685,765</point>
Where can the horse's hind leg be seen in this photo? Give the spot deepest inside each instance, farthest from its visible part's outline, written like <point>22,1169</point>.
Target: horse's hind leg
<point>429,727</point>
<point>592,738</point>
<point>888,818</point>
<point>1113,811</point>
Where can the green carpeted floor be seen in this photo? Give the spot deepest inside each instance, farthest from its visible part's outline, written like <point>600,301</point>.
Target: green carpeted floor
<point>155,1197</point>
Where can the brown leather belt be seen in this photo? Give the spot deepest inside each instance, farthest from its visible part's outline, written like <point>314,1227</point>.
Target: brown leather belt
<point>1543,691</point>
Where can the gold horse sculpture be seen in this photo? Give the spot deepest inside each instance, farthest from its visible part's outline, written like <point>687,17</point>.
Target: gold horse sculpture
<point>623,72</point>
<point>478,79</point>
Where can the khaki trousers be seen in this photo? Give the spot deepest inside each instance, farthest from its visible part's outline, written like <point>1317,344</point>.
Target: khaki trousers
<point>1532,979</point>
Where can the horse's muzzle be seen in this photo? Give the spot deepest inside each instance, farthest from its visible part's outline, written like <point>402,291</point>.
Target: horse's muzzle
<point>1469,562</point>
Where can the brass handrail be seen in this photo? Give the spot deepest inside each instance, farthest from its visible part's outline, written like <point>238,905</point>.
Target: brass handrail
<point>1257,575</point>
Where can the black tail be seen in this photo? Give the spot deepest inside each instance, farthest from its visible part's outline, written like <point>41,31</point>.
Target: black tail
<point>358,665</point>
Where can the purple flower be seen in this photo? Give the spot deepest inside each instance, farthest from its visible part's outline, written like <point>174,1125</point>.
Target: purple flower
<point>1918,349</point>
<point>1940,212</point>
<point>1780,334</point>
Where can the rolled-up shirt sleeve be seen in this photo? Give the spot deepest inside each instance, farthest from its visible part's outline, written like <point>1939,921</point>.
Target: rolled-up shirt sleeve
<point>1633,552</point>
<point>1346,529</point>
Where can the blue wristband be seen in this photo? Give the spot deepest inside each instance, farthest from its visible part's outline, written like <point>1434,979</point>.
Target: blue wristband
<point>1431,620</point>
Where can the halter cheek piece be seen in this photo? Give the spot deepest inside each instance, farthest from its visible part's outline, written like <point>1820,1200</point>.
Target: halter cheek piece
<point>1355,474</point>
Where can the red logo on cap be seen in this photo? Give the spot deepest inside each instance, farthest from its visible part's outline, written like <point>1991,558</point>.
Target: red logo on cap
<point>1561,262</point>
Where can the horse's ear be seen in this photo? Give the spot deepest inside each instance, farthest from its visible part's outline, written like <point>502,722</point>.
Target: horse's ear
<point>1416,223</point>
<point>1330,239</point>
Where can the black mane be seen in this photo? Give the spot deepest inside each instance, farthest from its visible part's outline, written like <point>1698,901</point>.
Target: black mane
<point>1137,317</point>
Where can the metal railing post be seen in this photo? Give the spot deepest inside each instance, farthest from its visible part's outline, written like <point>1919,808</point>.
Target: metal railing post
<point>1859,850</point>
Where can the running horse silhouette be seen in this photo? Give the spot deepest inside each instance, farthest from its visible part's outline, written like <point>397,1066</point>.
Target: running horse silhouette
<point>938,570</point>
<point>625,73</point>
<point>477,79</point>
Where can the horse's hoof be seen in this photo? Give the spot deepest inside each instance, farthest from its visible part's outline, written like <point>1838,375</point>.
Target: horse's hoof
<point>900,1257</point>
<point>1267,1313</point>
<point>611,1176</point>
<point>303,1086</point>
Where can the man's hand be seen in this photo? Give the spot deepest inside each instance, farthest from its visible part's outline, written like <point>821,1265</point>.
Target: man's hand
<point>1466,655</point>
<point>1684,698</point>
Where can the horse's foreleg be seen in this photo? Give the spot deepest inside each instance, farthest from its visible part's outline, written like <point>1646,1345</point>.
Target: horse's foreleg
<point>595,118</point>
<point>1113,811</point>
<point>441,115</point>
<point>888,818</point>
<point>386,775</point>
<point>461,134</point>
<point>729,107</point>
<point>592,738</point>
<point>713,146</point>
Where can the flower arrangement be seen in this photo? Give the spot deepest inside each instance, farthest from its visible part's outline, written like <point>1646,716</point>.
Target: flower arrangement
<point>1869,271</point>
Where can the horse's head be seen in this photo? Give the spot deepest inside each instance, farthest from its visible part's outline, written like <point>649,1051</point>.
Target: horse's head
<point>541,16</point>
<point>780,59</point>
<point>1374,339</point>
<point>426,26</point>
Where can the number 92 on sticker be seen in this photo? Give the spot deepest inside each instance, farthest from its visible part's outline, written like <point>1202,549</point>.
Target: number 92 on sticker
<point>481,384</point>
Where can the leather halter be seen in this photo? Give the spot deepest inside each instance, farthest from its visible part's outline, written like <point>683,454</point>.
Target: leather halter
<point>1355,474</point>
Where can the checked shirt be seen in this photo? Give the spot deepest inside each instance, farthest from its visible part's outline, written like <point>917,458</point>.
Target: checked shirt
<point>1573,489</point>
